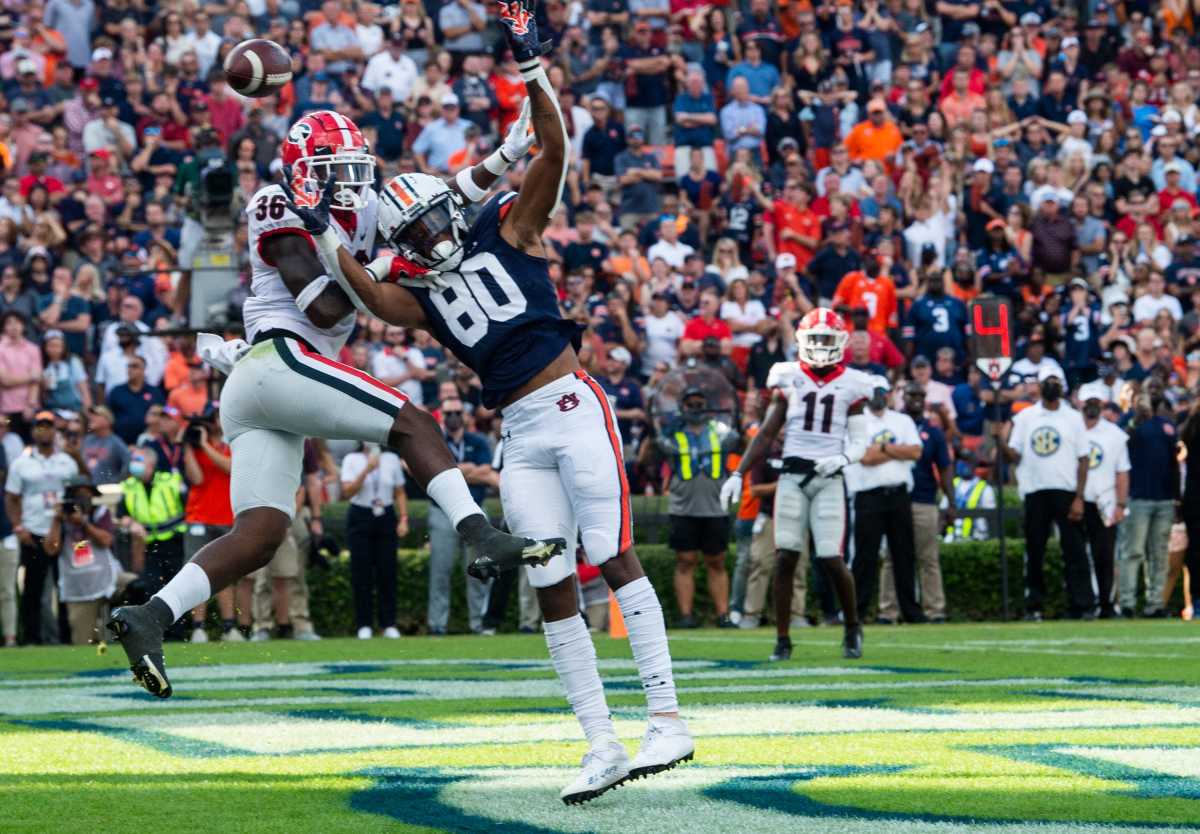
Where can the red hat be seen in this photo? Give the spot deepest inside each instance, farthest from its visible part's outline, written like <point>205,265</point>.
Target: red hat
<point>88,84</point>
<point>102,153</point>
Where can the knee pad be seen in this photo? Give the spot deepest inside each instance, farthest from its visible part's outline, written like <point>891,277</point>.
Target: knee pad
<point>599,546</point>
<point>554,571</point>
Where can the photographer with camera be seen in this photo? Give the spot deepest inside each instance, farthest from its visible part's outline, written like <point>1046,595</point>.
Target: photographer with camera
<point>209,515</point>
<point>89,575</point>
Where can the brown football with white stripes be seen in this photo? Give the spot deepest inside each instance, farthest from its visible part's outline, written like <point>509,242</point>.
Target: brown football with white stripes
<point>258,68</point>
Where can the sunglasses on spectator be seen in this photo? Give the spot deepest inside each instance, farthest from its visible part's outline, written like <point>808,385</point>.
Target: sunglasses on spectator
<point>446,413</point>
<point>38,423</point>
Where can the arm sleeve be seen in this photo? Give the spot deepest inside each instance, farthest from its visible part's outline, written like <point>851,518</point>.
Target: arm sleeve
<point>1123,456</point>
<point>12,484</point>
<point>856,438</point>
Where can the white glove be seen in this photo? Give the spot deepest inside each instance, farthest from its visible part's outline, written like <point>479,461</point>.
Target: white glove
<point>831,465</point>
<point>731,490</point>
<point>519,139</point>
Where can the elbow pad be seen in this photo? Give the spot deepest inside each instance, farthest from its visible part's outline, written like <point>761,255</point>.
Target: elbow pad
<point>856,437</point>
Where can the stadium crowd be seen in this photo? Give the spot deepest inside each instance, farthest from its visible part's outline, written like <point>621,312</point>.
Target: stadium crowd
<point>735,164</point>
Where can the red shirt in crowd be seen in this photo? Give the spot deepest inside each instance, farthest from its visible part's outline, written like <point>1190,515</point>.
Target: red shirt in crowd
<point>805,222</point>
<point>699,329</point>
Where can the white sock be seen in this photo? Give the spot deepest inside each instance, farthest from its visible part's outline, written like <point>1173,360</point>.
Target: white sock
<point>449,491</point>
<point>574,658</point>
<point>186,590</point>
<point>648,639</point>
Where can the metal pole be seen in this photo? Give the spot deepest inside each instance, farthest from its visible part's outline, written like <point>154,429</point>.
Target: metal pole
<point>999,475</point>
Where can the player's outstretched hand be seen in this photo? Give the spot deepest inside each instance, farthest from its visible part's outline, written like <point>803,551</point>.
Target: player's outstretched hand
<point>520,29</point>
<point>520,138</point>
<point>731,490</point>
<point>316,219</point>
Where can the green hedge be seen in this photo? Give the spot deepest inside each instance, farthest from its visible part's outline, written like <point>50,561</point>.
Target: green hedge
<point>970,571</point>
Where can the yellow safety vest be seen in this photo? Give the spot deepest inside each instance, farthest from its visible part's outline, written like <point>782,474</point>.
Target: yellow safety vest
<point>973,498</point>
<point>160,510</point>
<point>685,454</point>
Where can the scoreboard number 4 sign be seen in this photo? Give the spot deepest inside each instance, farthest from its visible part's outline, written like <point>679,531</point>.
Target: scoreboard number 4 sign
<point>991,336</point>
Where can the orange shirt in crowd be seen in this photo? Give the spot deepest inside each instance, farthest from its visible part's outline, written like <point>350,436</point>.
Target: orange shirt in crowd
<point>866,141</point>
<point>878,295</point>
<point>805,222</point>
<point>958,110</point>
<point>208,501</point>
<point>176,372</point>
<point>190,401</point>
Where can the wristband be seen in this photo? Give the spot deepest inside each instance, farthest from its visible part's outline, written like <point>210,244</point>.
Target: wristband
<point>309,294</point>
<point>534,73</point>
<point>496,163</point>
<point>467,185</point>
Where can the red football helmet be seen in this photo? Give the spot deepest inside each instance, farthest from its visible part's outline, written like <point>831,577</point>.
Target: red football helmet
<point>821,338</point>
<point>326,144</point>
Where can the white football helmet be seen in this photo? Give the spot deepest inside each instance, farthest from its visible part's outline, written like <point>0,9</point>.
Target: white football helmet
<point>821,338</point>
<point>421,218</point>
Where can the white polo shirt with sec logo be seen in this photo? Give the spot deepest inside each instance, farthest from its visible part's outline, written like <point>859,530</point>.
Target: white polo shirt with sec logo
<point>1050,442</point>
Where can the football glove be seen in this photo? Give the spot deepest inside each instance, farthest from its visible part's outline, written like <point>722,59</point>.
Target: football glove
<point>519,139</point>
<point>731,490</point>
<point>829,466</point>
<point>316,219</point>
<point>394,269</point>
<point>520,29</point>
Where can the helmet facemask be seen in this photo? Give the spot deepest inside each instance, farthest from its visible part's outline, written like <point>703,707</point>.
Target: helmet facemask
<point>821,347</point>
<point>434,238</point>
<point>354,172</point>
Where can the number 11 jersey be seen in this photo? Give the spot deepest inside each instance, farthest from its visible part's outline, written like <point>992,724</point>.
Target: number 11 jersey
<point>499,313</point>
<point>817,407</point>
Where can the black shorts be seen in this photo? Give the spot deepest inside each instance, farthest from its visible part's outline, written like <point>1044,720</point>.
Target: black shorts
<point>708,534</point>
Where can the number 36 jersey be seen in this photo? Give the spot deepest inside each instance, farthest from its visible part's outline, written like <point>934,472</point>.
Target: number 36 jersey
<point>817,407</point>
<point>499,315</point>
<point>271,304</point>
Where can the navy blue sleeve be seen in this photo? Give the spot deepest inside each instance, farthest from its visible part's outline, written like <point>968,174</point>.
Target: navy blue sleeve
<point>941,456</point>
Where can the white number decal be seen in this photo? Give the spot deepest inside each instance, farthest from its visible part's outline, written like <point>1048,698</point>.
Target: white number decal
<point>472,304</point>
<point>871,300</point>
<point>1084,330</point>
<point>941,320</point>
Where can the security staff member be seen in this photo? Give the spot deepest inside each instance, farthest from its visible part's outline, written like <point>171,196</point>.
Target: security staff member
<point>882,483</point>
<point>1048,443</point>
<point>932,467</point>
<point>153,513</point>
<point>972,490</point>
<point>1106,496</point>
<point>696,448</point>
<point>373,480</point>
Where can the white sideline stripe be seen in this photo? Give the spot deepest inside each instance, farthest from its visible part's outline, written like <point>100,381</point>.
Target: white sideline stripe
<point>264,733</point>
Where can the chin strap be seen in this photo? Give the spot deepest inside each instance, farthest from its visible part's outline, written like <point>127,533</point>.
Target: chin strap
<point>856,438</point>
<point>328,244</point>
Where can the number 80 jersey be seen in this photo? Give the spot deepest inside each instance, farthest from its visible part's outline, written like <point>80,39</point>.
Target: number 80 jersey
<point>499,315</point>
<point>817,407</point>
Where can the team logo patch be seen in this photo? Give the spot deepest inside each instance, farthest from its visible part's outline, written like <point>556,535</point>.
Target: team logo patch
<point>1045,441</point>
<point>568,402</point>
<point>884,436</point>
<point>1095,455</point>
<point>300,132</point>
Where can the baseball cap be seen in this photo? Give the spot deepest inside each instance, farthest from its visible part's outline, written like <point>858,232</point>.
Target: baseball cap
<point>18,105</point>
<point>449,100</point>
<point>1078,282</point>
<point>52,334</point>
<point>26,65</point>
<point>970,29</point>
<point>1173,167</point>
<point>1031,19</point>
<point>173,412</point>
<point>1070,41</point>
<point>636,130</point>
<point>102,53</point>
<point>1049,372</point>
<point>784,260</point>
<point>620,354</point>
<point>920,361</point>
<point>43,416</point>
<point>996,223</point>
<point>1077,117</point>
<point>1172,116</point>
<point>108,101</point>
<point>983,166</point>
<point>77,481</point>
<point>1002,142</point>
<point>1093,391</point>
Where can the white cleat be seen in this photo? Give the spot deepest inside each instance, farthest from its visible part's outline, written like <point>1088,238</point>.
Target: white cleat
<point>364,633</point>
<point>199,635</point>
<point>234,635</point>
<point>666,743</point>
<point>260,636</point>
<point>605,767</point>
<point>391,633</point>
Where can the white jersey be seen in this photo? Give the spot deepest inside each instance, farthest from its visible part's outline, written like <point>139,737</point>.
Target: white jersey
<point>1108,455</point>
<point>272,305</point>
<point>818,408</point>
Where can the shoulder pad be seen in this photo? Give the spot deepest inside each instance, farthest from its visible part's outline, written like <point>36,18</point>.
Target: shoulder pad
<point>781,373</point>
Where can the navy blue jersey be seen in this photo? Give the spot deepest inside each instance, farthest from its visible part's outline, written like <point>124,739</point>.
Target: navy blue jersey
<point>1081,338</point>
<point>499,315</point>
<point>936,322</point>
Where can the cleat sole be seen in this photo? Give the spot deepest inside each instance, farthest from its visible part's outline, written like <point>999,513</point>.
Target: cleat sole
<point>588,796</point>
<point>650,770</point>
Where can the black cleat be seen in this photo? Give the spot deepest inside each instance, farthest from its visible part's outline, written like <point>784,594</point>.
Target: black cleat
<point>501,552</point>
<point>140,633</point>
<point>852,642</point>
<point>783,650</point>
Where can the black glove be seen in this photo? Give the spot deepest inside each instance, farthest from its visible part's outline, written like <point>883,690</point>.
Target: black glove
<point>520,29</point>
<point>316,219</point>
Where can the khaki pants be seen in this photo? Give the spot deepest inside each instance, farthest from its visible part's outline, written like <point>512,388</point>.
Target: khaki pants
<point>10,560</point>
<point>288,565</point>
<point>85,617</point>
<point>762,562</point>
<point>926,537</point>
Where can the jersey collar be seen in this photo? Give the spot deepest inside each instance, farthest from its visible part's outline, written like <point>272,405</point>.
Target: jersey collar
<point>822,380</point>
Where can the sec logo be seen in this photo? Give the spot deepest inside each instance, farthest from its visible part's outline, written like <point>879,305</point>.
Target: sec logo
<point>884,436</point>
<point>1095,455</point>
<point>1045,441</point>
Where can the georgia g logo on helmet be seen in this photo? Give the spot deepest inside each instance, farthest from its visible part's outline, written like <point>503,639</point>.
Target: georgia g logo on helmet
<point>821,338</point>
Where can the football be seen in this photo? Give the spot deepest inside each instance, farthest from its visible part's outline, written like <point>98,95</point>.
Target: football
<point>258,68</point>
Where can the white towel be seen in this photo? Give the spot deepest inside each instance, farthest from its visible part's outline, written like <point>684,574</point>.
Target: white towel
<point>220,354</point>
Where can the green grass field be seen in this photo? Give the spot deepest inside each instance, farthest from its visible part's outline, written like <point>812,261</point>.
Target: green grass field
<point>992,728</point>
